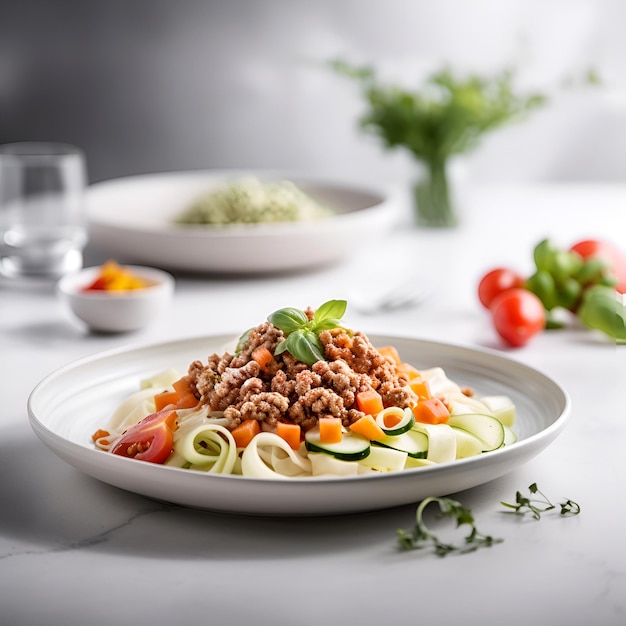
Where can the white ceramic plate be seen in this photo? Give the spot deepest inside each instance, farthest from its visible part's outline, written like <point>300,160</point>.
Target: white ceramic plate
<point>132,218</point>
<point>73,402</point>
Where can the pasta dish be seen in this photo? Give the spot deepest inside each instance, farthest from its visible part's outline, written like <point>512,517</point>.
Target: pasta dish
<point>302,395</point>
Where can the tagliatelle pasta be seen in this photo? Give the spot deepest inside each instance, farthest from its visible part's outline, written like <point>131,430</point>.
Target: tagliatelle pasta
<point>269,456</point>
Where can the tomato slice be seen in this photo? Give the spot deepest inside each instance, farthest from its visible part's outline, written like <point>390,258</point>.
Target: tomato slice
<point>149,440</point>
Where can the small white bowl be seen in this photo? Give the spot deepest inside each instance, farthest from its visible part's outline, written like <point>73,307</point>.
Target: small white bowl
<point>117,311</point>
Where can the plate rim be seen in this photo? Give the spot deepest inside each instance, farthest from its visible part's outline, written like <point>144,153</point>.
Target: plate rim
<point>45,433</point>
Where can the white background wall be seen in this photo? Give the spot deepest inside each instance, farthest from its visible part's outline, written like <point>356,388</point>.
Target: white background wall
<point>152,85</point>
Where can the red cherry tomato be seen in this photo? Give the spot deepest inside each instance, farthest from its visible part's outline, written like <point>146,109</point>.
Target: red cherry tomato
<point>518,315</point>
<point>149,440</point>
<point>496,281</point>
<point>596,249</point>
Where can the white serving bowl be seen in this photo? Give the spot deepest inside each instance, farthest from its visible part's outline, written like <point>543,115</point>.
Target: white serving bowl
<point>117,311</point>
<point>135,216</point>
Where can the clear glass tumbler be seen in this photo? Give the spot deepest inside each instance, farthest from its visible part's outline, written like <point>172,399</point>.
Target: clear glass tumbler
<point>43,224</point>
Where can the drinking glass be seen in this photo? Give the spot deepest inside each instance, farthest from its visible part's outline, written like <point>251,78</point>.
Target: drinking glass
<point>43,226</point>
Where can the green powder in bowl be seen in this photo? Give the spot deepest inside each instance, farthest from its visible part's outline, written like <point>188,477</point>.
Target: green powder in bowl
<point>251,201</point>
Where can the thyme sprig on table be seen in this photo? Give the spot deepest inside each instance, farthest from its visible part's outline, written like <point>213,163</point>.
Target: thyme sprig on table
<point>537,506</point>
<point>422,536</point>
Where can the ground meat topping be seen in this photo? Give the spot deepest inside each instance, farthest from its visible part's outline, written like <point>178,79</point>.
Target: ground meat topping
<point>290,390</point>
<point>338,376</point>
<point>316,403</point>
<point>305,381</point>
<point>265,335</point>
<point>281,384</point>
<point>266,406</point>
<point>228,390</point>
<point>396,395</point>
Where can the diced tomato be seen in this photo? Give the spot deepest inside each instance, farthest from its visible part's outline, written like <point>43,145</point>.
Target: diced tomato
<point>149,440</point>
<point>99,284</point>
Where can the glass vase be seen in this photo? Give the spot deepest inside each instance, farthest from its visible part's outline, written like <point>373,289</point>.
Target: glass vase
<point>434,196</point>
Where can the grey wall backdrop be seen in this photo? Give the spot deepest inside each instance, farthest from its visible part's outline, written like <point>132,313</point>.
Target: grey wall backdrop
<point>153,85</point>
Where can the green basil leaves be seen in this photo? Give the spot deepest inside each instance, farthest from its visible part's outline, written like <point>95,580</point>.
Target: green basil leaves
<point>301,334</point>
<point>288,319</point>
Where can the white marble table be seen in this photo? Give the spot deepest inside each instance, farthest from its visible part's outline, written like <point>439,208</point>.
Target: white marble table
<point>77,551</point>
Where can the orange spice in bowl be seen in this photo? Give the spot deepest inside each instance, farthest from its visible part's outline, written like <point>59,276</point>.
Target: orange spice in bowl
<point>115,298</point>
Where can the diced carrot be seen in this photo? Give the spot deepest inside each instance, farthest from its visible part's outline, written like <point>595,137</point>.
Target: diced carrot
<point>390,352</point>
<point>369,401</point>
<point>170,418</point>
<point>330,429</point>
<point>187,401</point>
<point>245,432</point>
<point>421,388</point>
<point>186,397</point>
<point>99,434</point>
<point>409,371</point>
<point>431,411</point>
<point>262,356</point>
<point>291,433</point>
<point>392,416</point>
<point>367,427</point>
<point>181,386</point>
<point>161,400</point>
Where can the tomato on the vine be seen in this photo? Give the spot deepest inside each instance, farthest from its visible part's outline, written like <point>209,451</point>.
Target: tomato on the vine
<point>149,440</point>
<point>518,315</point>
<point>496,281</point>
<point>596,249</point>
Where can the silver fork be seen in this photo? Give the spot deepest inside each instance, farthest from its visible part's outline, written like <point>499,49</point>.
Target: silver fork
<point>408,292</point>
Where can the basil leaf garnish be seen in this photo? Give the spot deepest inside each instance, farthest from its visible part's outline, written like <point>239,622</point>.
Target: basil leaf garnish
<point>333,309</point>
<point>288,319</point>
<point>327,325</point>
<point>305,346</point>
<point>302,334</point>
<point>281,347</point>
<point>242,341</point>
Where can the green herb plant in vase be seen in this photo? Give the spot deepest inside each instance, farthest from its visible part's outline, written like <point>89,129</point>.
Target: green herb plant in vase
<point>447,116</point>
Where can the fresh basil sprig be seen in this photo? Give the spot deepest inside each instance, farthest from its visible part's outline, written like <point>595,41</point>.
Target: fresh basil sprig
<point>302,334</point>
